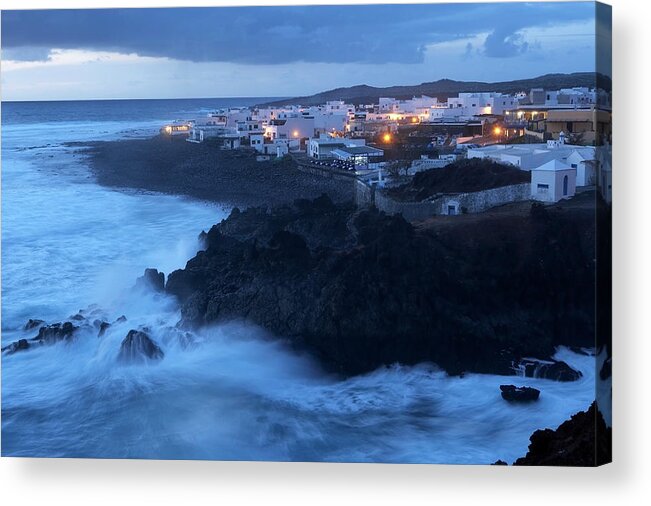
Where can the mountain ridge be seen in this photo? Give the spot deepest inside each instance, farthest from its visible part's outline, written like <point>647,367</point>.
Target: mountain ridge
<point>444,88</point>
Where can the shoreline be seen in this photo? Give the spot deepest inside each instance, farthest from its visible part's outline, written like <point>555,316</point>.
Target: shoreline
<point>203,172</point>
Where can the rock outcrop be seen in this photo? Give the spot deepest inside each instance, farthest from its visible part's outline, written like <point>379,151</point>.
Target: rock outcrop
<point>512,393</point>
<point>360,289</point>
<point>583,440</point>
<point>47,335</point>
<point>556,370</point>
<point>152,280</point>
<point>138,347</point>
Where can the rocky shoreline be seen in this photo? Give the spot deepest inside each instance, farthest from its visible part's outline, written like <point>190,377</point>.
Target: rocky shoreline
<point>490,293</point>
<point>202,171</point>
<point>360,289</point>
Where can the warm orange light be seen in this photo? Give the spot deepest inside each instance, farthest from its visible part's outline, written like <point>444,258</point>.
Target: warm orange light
<point>497,130</point>
<point>386,137</point>
<point>295,133</point>
<point>414,120</point>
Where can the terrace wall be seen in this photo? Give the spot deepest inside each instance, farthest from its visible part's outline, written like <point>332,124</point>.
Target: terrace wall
<point>474,202</point>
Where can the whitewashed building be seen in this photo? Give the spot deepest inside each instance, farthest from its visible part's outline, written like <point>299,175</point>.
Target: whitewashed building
<point>531,156</point>
<point>322,147</point>
<point>298,127</point>
<point>553,181</point>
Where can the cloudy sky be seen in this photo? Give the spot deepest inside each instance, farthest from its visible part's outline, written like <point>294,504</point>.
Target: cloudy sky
<point>285,51</point>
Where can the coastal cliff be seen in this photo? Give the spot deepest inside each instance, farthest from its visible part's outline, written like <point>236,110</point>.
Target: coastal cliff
<point>359,289</point>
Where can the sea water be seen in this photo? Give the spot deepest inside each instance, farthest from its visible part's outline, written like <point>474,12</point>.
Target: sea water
<point>237,393</point>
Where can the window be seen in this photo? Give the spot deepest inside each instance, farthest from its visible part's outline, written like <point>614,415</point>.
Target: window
<point>565,184</point>
<point>574,165</point>
<point>543,188</point>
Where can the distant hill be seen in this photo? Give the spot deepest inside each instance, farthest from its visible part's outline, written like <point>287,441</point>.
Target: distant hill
<point>444,88</point>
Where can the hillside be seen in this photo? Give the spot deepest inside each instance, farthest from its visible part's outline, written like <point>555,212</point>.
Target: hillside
<point>444,88</point>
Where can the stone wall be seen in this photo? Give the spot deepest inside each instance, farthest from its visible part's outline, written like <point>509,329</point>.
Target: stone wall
<point>475,202</point>
<point>364,194</point>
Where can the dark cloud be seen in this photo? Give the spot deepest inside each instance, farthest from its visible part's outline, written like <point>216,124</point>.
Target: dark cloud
<point>504,43</point>
<point>259,35</point>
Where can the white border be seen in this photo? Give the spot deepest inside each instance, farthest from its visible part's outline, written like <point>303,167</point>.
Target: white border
<point>104,482</point>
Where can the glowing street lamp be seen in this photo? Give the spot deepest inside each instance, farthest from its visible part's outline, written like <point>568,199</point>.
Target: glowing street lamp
<point>497,131</point>
<point>295,133</point>
<point>386,137</point>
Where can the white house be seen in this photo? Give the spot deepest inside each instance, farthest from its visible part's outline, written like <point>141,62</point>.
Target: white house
<point>583,161</point>
<point>426,163</point>
<point>360,156</point>
<point>290,128</point>
<point>531,156</point>
<point>322,147</point>
<point>553,181</point>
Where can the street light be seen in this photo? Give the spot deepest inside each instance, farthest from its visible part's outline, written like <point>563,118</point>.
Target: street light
<point>386,137</point>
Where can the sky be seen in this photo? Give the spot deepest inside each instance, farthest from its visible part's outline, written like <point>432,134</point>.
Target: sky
<point>285,51</point>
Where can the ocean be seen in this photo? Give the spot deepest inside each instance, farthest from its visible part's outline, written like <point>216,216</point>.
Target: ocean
<point>70,244</point>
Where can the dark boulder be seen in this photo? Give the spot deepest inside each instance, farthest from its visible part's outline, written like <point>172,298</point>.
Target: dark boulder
<point>103,327</point>
<point>121,319</point>
<point>151,279</point>
<point>20,345</point>
<point>499,463</point>
<point>139,347</point>
<point>49,334</point>
<point>32,324</point>
<point>512,393</point>
<point>583,440</point>
<point>556,370</point>
<point>56,332</point>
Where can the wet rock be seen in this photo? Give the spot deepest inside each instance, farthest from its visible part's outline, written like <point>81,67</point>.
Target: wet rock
<point>583,440</point>
<point>32,324</point>
<point>139,347</point>
<point>103,327</point>
<point>121,319</point>
<point>499,463</point>
<point>20,345</point>
<point>360,289</point>
<point>56,332</point>
<point>556,370</point>
<point>78,317</point>
<point>512,393</point>
<point>151,279</point>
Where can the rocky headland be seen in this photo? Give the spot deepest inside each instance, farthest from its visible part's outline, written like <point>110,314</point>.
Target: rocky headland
<point>360,289</point>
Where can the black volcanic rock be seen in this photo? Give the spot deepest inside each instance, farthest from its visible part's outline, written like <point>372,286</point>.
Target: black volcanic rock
<point>583,440</point>
<point>56,332</point>
<point>137,346</point>
<point>556,370</point>
<point>512,393</point>
<point>32,324</point>
<point>360,289</point>
<point>151,279</point>
<point>103,327</point>
<point>47,335</point>
<point>20,345</point>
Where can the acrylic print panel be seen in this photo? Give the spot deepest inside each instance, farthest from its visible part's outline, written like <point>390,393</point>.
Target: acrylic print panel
<point>249,233</point>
